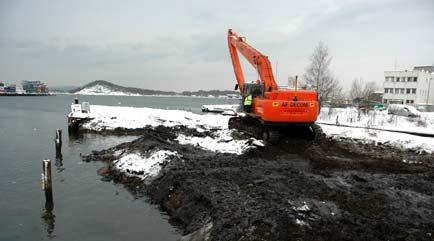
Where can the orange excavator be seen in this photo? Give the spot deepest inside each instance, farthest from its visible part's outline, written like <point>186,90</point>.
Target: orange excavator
<point>274,111</point>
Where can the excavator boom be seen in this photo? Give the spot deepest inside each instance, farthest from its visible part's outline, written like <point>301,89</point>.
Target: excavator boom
<point>259,61</point>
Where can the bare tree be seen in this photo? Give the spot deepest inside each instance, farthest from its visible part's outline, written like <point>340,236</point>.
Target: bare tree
<point>362,90</point>
<point>356,90</point>
<point>318,73</point>
<point>369,88</point>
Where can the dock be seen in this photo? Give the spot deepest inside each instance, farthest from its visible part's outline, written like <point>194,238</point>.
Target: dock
<point>27,94</point>
<point>80,113</point>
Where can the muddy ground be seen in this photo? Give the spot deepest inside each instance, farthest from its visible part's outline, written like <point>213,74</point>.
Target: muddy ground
<point>296,190</point>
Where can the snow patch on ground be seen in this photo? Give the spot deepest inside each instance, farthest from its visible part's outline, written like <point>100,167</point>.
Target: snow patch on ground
<point>136,165</point>
<point>303,208</point>
<point>301,222</point>
<point>399,140</point>
<point>220,107</point>
<point>112,117</point>
<point>220,142</point>
<point>351,116</point>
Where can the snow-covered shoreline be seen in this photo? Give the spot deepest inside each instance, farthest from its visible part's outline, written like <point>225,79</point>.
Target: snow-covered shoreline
<point>112,117</point>
<point>104,118</point>
<point>216,136</point>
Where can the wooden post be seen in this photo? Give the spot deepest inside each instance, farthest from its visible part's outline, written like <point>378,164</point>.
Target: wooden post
<point>58,143</point>
<point>47,184</point>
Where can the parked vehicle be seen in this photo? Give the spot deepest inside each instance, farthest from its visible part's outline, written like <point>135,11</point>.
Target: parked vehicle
<point>425,107</point>
<point>380,107</point>
<point>403,110</point>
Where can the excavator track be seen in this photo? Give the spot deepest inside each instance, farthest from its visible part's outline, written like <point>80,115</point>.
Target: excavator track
<point>248,125</point>
<point>270,134</point>
<point>318,134</point>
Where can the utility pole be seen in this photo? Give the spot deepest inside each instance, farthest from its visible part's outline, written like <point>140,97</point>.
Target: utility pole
<point>429,86</point>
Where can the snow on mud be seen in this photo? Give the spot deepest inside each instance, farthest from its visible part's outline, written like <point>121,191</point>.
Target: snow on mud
<point>137,165</point>
<point>399,140</point>
<point>220,139</point>
<point>220,142</point>
<point>344,189</point>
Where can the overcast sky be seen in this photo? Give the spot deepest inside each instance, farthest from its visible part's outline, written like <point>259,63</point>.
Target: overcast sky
<point>181,45</point>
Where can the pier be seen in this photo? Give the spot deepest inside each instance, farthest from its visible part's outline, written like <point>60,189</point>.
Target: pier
<point>29,94</point>
<point>79,115</point>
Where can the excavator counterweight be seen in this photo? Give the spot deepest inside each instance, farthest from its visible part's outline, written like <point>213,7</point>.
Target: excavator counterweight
<point>273,110</point>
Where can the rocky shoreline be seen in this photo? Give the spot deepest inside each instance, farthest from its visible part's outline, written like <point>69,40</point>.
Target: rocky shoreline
<point>335,189</point>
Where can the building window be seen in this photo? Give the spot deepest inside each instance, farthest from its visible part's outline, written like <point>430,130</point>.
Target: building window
<point>402,90</point>
<point>409,79</point>
<point>413,91</point>
<point>415,79</point>
<point>397,79</point>
<point>408,91</point>
<point>389,78</point>
<point>396,90</point>
<point>386,90</point>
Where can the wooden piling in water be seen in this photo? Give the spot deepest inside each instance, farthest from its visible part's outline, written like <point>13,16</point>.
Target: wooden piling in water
<point>58,143</point>
<point>46,183</point>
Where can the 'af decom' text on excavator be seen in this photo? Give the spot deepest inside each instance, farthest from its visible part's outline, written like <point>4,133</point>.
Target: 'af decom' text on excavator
<point>274,111</point>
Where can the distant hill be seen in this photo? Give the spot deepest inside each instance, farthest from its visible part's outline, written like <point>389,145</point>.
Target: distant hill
<point>102,87</point>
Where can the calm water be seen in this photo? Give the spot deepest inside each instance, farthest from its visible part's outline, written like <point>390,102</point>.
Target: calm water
<point>85,208</point>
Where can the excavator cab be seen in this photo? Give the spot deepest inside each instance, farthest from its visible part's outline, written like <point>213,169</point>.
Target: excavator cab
<point>253,89</point>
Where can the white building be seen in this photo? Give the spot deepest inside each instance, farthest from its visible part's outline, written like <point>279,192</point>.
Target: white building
<point>409,87</point>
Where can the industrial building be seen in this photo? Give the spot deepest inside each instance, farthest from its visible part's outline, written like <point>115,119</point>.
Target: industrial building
<point>34,87</point>
<point>409,87</point>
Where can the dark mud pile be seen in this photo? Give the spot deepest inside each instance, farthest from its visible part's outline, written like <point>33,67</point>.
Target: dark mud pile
<point>330,190</point>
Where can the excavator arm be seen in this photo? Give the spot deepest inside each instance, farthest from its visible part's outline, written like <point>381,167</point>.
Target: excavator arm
<point>259,61</point>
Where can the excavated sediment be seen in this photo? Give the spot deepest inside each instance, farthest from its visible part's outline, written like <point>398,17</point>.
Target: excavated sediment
<point>335,189</point>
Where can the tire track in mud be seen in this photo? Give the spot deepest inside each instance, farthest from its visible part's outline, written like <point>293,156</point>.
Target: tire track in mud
<point>297,190</point>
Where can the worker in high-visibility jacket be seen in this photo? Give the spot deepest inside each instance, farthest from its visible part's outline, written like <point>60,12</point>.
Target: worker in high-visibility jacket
<point>248,103</point>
